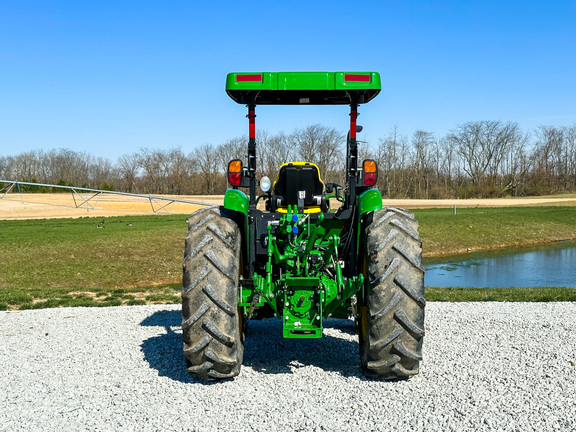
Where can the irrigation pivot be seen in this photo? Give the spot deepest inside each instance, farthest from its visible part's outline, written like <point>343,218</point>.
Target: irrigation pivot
<point>88,198</point>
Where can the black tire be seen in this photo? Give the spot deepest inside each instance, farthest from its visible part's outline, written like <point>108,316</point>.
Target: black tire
<point>212,325</point>
<point>391,315</point>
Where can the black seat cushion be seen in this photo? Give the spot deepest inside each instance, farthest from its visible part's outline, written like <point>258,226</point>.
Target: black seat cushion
<point>295,178</point>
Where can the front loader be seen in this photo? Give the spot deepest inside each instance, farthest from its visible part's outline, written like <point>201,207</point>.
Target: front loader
<point>303,250</point>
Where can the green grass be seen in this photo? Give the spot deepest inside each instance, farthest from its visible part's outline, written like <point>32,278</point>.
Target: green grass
<point>544,294</point>
<point>137,259</point>
<point>163,298</point>
<point>41,255</point>
<point>20,298</point>
<point>444,233</point>
<point>72,262</point>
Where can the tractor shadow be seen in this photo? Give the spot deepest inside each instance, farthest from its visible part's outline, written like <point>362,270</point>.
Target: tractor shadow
<point>266,351</point>
<point>164,352</point>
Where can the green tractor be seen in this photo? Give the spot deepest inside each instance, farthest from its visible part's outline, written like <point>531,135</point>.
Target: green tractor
<point>288,253</point>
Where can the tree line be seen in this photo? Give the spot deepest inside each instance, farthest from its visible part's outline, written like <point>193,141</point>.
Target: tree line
<point>476,159</point>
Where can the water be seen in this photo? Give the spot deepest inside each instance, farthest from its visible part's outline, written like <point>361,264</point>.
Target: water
<point>527,267</point>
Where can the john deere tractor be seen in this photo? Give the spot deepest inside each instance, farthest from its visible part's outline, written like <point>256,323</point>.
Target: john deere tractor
<point>303,250</point>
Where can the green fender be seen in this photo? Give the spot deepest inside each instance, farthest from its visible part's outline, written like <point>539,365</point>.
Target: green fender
<point>369,200</point>
<point>236,200</point>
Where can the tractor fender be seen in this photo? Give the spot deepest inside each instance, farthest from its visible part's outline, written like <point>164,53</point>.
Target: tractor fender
<point>236,200</point>
<point>369,200</point>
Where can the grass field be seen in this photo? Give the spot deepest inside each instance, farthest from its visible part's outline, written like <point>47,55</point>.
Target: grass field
<point>73,262</point>
<point>472,229</point>
<point>137,259</point>
<point>542,294</point>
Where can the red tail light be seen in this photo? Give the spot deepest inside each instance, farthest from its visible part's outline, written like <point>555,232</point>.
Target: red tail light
<point>369,179</point>
<point>235,179</point>
<point>249,78</point>
<point>357,77</point>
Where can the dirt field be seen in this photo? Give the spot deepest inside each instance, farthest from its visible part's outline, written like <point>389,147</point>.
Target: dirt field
<point>65,205</point>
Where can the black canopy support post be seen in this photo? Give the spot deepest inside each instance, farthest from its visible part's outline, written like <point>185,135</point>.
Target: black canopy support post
<point>252,150</point>
<point>352,174</point>
<point>252,176</point>
<point>352,150</point>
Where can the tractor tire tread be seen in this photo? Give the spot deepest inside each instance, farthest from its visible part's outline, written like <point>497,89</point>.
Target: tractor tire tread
<point>217,300</point>
<point>405,352</point>
<point>407,323</point>
<point>211,330</point>
<point>391,345</point>
<point>201,275</point>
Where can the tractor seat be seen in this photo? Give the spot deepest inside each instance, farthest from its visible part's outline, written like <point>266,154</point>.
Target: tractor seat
<point>299,184</point>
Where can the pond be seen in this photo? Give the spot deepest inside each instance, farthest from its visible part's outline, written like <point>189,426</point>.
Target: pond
<point>553,265</point>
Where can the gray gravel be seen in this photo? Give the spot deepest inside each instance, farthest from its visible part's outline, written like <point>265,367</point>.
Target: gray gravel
<point>487,366</point>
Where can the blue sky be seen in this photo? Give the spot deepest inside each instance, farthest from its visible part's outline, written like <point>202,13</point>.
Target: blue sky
<point>111,77</point>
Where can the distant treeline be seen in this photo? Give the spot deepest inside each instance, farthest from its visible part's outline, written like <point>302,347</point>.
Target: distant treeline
<point>477,159</point>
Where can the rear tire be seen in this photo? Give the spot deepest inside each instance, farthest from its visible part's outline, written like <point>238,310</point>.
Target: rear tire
<point>212,324</point>
<point>391,315</point>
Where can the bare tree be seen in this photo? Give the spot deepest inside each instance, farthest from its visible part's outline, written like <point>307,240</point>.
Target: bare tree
<point>64,166</point>
<point>128,166</point>
<point>208,163</point>
<point>483,145</point>
<point>448,163</point>
<point>5,167</point>
<point>422,142</point>
<point>516,166</point>
<point>570,146</point>
<point>28,166</point>
<point>388,158</point>
<point>485,158</point>
<point>235,148</point>
<point>321,145</point>
<point>153,163</point>
<point>178,171</point>
<point>100,173</point>
<point>548,155</point>
<point>276,151</point>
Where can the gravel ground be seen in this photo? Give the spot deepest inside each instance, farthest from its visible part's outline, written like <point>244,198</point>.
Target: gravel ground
<point>487,366</point>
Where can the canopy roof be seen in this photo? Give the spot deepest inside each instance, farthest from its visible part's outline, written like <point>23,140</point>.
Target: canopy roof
<point>303,88</point>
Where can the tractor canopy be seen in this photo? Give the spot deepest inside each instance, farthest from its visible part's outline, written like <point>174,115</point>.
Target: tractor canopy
<point>303,88</point>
